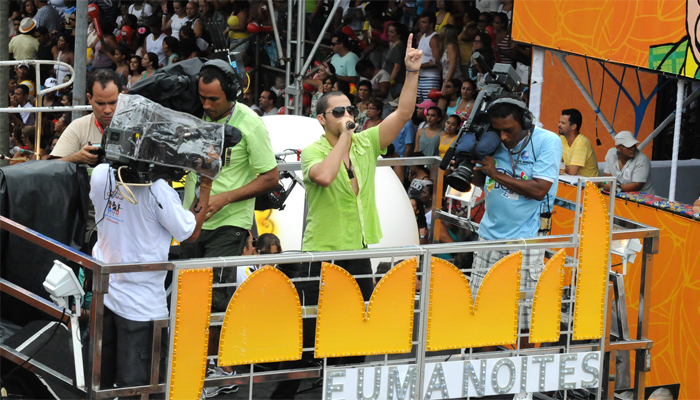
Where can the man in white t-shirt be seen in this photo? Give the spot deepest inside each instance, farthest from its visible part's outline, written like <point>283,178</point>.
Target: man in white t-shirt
<point>137,233</point>
<point>75,144</point>
<point>154,41</point>
<point>141,10</point>
<point>20,96</point>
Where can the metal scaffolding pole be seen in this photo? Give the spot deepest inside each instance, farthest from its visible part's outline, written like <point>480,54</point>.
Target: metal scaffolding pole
<point>4,78</point>
<point>296,90</point>
<point>80,54</point>
<point>667,121</point>
<point>536,82</point>
<point>288,65</point>
<point>276,31</point>
<point>676,140</point>
<point>584,92</point>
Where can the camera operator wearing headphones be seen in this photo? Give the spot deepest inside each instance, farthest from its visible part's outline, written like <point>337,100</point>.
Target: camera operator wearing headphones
<point>137,232</point>
<point>520,182</point>
<point>249,170</point>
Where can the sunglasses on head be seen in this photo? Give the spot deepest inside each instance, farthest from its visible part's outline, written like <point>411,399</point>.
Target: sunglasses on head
<point>340,111</point>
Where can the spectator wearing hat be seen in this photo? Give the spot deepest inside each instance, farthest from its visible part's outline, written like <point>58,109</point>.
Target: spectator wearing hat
<point>25,75</point>
<point>47,16</point>
<point>25,46</point>
<point>628,165</point>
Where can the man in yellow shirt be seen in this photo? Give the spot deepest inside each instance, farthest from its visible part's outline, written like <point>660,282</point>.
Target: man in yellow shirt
<point>578,155</point>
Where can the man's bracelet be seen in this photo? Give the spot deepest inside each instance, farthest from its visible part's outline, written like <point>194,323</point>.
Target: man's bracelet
<point>206,186</point>
<point>412,70</point>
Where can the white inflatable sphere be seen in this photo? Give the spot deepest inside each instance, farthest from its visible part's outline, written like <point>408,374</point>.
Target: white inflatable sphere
<point>395,211</point>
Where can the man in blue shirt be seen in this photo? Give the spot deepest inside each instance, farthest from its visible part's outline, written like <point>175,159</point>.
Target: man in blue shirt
<point>520,182</point>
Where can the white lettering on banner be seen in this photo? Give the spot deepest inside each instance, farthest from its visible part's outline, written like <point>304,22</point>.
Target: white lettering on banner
<point>441,380</point>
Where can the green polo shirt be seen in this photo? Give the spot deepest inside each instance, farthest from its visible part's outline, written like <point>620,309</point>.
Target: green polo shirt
<point>253,155</point>
<point>338,219</point>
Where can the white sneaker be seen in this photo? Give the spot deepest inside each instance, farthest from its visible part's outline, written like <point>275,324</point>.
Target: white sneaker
<point>523,396</point>
<point>217,372</point>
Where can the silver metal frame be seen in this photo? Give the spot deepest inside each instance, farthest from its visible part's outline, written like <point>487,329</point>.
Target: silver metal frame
<point>627,229</point>
<point>40,93</point>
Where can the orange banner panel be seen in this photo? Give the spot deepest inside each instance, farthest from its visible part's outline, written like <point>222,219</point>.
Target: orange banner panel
<point>560,92</point>
<point>674,317</point>
<point>640,33</point>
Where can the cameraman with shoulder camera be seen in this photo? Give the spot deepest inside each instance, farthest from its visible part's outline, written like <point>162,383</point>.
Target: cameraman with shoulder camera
<point>137,232</point>
<point>520,182</point>
<point>75,144</point>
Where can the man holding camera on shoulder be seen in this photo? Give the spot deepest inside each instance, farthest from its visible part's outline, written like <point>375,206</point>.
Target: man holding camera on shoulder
<point>137,231</point>
<point>520,182</point>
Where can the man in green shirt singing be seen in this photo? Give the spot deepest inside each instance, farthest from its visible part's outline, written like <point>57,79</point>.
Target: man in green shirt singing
<point>339,174</point>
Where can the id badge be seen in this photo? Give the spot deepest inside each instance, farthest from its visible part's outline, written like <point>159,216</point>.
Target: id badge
<point>227,157</point>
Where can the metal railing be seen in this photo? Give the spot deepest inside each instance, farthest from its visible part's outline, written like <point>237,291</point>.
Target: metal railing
<point>40,93</point>
<point>625,229</point>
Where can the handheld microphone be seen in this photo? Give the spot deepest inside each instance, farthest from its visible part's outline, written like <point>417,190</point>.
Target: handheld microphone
<point>18,150</point>
<point>350,125</point>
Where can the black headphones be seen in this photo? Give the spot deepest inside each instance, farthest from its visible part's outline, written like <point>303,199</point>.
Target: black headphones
<point>527,121</point>
<point>232,88</point>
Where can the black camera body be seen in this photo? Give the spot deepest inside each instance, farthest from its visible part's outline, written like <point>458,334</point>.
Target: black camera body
<point>474,140</point>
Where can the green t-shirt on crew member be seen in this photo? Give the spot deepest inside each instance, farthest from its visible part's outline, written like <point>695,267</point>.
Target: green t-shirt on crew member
<point>252,156</point>
<point>337,218</point>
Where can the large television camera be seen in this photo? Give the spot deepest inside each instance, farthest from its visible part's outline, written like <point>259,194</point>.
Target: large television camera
<point>147,141</point>
<point>474,140</point>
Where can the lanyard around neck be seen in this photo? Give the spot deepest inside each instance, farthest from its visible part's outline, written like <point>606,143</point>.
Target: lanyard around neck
<point>525,142</point>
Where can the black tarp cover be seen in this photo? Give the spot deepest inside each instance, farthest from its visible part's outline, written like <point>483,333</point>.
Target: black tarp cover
<point>50,197</point>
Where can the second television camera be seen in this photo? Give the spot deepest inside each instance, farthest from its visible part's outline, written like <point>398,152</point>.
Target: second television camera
<point>474,140</point>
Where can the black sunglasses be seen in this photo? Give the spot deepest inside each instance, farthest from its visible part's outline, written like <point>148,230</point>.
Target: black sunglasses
<point>340,111</point>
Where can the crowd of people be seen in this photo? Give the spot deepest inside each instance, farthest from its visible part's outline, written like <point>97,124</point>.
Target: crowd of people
<point>406,73</point>
<point>366,41</point>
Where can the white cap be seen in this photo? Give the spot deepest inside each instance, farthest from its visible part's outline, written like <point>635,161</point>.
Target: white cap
<point>625,138</point>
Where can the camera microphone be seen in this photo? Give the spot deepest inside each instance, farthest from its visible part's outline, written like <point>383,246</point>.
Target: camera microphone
<point>350,125</point>
<point>482,63</point>
<point>449,155</point>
